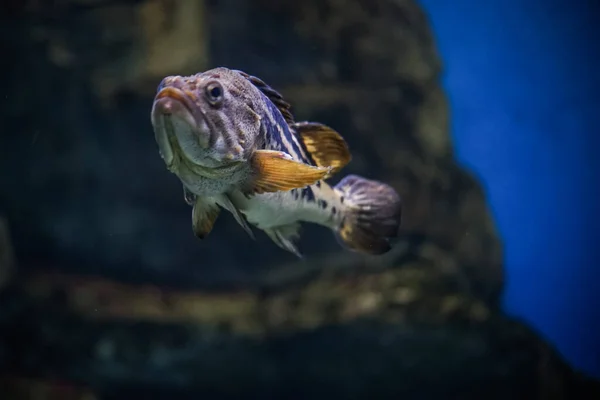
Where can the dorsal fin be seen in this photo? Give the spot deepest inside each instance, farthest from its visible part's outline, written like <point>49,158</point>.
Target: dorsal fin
<point>327,148</point>
<point>273,95</point>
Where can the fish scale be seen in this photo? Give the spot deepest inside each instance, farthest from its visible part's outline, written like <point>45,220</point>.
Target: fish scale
<point>233,143</point>
<point>279,135</point>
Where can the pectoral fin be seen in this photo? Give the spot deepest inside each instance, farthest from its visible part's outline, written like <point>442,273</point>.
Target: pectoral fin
<point>276,171</point>
<point>327,147</point>
<point>204,215</point>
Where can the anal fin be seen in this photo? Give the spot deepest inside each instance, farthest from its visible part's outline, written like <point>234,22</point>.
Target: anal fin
<point>326,146</point>
<point>285,237</point>
<point>204,214</point>
<point>225,202</point>
<point>276,171</point>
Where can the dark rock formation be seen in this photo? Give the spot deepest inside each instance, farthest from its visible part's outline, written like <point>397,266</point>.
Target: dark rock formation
<point>391,334</point>
<point>89,188</point>
<point>85,191</point>
<point>6,254</point>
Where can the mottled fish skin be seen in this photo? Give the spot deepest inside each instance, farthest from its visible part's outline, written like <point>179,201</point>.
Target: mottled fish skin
<point>210,149</point>
<point>314,203</point>
<point>279,136</point>
<point>319,204</point>
<point>207,147</point>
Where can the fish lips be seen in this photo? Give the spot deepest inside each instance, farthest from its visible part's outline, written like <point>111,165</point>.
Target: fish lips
<point>173,109</point>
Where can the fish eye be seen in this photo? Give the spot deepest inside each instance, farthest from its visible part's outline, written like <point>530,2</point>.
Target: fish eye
<point>214,93</point>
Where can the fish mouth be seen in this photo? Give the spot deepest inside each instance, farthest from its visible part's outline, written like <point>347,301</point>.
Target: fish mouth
<point>176,117</point>
<point>172,100</point>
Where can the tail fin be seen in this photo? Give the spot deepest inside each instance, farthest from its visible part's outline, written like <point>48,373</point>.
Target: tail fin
<point>372,215</point>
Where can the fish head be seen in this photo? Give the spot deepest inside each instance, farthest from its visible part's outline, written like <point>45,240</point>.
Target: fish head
<point>207,118</point>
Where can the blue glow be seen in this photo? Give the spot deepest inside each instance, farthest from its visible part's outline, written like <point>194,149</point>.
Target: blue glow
<point>524,85</point>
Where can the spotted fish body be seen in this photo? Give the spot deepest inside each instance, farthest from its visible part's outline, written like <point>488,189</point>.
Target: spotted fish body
<point>239,148</point>
<point>279,213</point>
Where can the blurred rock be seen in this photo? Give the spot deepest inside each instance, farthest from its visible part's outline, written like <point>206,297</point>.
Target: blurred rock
<point>310,341</point>
<point>30,389</point>
<point>166,39</point>
<point>403,295</point>
<point>368,68</point>
<point>87,194</point>
<point>7,260</point>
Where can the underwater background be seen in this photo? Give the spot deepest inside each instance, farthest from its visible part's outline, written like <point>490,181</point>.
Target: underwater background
<point>523,83</point>
<point>483,115</point>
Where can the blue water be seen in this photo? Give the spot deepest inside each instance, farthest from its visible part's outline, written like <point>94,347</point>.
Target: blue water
<point>523,79</point>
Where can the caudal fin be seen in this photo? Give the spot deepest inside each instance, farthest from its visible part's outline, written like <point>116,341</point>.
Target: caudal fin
<point>372,215</point>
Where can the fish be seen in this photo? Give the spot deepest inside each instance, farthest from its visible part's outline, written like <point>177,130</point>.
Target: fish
<point>234,144</point>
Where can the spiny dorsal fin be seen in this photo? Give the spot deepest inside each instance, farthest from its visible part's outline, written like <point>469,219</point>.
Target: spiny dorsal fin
<point>273,95</point>
<point>326,147</point>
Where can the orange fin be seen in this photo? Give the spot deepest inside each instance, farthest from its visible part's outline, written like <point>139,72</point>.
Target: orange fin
<point>326,147</point>
<point>276,171</point>
<point>204,215</point>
